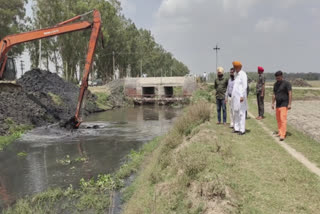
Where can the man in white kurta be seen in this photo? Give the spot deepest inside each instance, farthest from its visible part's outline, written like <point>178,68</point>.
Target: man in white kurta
<point>239,99</point>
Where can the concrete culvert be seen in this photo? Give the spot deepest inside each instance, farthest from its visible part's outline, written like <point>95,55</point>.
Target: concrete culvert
<point>148,91</point>
<point>168,90</point>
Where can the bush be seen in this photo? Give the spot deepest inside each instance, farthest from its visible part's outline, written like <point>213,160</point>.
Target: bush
<point>194,115</point>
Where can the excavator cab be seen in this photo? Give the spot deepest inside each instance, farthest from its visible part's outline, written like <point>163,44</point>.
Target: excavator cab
<point>8,80</point>
<point>10,71</point>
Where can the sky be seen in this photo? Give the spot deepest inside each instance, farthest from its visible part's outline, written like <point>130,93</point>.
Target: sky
<point>276,34</point>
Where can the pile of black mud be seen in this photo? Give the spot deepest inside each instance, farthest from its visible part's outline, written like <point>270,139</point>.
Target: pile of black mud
<point>41,98</point>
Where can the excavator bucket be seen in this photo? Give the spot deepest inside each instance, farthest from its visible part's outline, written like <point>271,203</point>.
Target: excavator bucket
<point>70,124</point>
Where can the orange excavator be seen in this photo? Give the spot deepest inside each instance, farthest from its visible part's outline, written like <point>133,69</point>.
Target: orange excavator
<point>7,68</point>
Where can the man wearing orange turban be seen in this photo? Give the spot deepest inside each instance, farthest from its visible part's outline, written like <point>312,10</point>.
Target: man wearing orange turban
<point>239,99</point>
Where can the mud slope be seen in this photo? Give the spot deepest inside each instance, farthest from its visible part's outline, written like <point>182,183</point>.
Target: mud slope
<point>43,98</point>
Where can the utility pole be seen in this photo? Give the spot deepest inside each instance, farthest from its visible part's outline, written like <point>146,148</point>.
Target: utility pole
<point>141,68</point>
<point>22,67</point>
<point>216,49</point>
<point>113,62</point>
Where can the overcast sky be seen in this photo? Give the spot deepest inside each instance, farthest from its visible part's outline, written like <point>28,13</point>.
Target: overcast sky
<point>275,34</point>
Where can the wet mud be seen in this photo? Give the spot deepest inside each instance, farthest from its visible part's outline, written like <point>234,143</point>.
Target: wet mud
<point>40,98</point>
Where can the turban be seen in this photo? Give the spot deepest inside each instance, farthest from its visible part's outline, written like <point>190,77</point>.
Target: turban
<point>236,64</point>
<point>220,70</point>
<point>261,69</point>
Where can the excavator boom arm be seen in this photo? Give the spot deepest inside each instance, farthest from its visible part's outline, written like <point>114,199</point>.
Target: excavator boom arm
<point>61,28</point>
<point>96,28</point>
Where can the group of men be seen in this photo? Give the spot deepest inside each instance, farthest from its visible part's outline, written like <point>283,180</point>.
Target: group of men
<point>234,91</point>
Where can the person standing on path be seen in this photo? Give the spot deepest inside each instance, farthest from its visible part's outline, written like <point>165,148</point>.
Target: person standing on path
<point>282,95</point>
<point>229,95</point>
<point>221,84</point>
<point>239,99</point>
<point>260,90</point>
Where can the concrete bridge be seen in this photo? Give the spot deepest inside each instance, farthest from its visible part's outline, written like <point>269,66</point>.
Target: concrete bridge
<point>161,90</point>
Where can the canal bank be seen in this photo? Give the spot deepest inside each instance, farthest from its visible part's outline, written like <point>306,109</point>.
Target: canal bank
<point>212,170</point>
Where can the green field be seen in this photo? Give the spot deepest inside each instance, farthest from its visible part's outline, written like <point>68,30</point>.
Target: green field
<point>315,83</point>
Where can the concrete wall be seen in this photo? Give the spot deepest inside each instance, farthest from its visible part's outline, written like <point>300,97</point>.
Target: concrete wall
<point>133,86</point>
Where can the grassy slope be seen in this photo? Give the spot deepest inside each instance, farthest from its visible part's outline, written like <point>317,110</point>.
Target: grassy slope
<point>214,170</point>
<point>102,93</point>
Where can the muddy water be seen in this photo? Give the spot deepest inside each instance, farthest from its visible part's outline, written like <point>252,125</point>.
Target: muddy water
<point>102,142</point>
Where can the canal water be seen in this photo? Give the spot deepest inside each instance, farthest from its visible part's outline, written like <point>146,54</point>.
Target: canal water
<point>40,159</point>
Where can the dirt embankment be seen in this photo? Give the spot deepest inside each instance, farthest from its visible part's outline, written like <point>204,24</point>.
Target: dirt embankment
<point>42,98</point>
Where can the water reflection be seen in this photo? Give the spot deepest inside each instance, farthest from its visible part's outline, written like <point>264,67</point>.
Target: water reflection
<point>103,150</point>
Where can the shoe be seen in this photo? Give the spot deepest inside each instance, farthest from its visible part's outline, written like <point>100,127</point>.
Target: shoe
<point>218,123</point>
<point>259,118</point>
<point>231,127</point>
<point>281,139</point>
<point>241,133</point>
<point>224,124</point>
<point>234,131</point>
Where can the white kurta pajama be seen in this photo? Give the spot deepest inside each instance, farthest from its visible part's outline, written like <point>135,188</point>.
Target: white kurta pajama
<point>240,108</point>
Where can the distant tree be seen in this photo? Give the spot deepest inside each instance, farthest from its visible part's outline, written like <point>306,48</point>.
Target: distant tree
<point>129,46</point>
<point>12,13</point>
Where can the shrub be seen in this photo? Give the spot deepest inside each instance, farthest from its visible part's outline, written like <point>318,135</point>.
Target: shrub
<point>194,115</point>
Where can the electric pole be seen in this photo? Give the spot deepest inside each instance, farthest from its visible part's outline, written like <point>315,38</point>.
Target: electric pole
<point>216,49</point>
<point>22,67</point>
<point>113,62</point>
<point>141,68</point>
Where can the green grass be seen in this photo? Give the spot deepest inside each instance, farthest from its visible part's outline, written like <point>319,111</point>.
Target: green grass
<point>56,99</point>
<point>298,94</point>
<point>301,142</point>
<point>102,100</point>
<point>243,174</point>
<point>15,131</point>
<point>315,83</point>
<point>22,154</point>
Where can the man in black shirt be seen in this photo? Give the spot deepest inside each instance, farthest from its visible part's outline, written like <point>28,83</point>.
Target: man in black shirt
<point>282,95</point>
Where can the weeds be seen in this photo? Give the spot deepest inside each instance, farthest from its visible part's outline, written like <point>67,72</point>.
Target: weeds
<point>194,116</point>
<point>15,131</point>
<point>103,100</point>
<point>67,160</point>
<point>203,95</point>
<point>22,154</point>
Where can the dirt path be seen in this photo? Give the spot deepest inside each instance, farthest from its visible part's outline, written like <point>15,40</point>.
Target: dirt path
<point>304,116</point>
<point>297,155</point>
